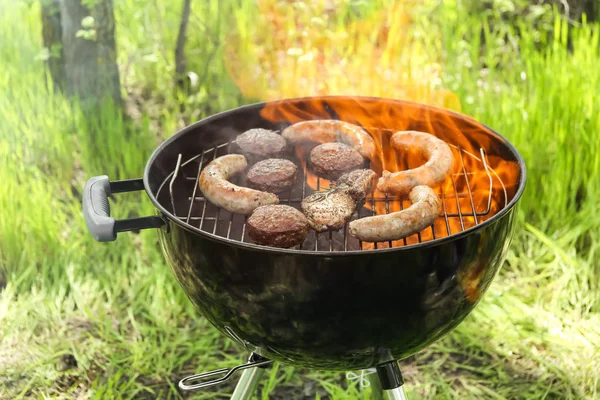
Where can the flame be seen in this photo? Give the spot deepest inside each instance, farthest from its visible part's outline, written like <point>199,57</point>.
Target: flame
<point>296,49</point>
<point>471,194</point>
<point>289,49</point>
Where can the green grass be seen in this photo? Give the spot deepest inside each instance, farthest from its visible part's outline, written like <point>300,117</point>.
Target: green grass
<point>119,311</point>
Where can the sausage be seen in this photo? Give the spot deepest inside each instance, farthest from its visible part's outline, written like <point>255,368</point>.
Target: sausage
<point>329,131</point>
<point>332,160</point>
<point>274,175</point>
<point>277,226</point>
<point>425,208</point>
<point>438,166</point>
<point>218,190</point>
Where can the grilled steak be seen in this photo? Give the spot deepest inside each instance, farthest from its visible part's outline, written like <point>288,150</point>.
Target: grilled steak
<point>359,183</point>
<point>332,209</point>
<point>331,160</point>
<point>277,226</point>
<point>274,175</point>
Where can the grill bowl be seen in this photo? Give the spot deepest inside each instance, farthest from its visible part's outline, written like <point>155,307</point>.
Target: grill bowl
<point>333,310</point>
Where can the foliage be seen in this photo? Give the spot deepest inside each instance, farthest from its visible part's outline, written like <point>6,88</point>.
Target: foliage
<point>118,310</point>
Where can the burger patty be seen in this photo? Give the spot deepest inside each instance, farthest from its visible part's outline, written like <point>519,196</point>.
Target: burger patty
<point>258,143</point>
<point>277,226</point>
<point>332,160</point>
<point>273,175</point>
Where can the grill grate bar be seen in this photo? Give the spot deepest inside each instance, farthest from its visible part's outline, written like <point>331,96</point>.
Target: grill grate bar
<point>376,200</point>
<point>173,181</point>
<point>462,163</point>
<point>210,213</point>
<point>317,234</point>
<point>445,212</point>
<point>460,216</point>
<point>387,211</point>
<point>216,149</point>
<point>196,184</point>
<point>373,211</point>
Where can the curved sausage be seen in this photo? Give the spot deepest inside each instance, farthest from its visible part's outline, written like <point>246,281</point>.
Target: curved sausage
<point>438,166</point>
<point>425,208</point>
<point>218,190</point>
<point>329,131</point>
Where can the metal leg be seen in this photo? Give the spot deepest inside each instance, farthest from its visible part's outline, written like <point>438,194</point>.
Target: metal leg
<point>248,383</point>
<point>396,394</point>
<point>391,380</point>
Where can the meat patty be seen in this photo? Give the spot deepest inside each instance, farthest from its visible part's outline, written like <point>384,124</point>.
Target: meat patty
<point>438,166</point>
<point>277,226</point>
<point>258,143</point>
<point>215,186</point>
<point>425,208</point>
<point>332,209</point>
<point>332,160</point>
<point>274,175</point>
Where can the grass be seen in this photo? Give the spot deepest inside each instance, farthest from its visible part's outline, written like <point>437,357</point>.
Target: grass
<point>117,310</point>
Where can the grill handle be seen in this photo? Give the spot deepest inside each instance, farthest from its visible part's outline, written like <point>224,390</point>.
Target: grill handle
<point>96,209</point>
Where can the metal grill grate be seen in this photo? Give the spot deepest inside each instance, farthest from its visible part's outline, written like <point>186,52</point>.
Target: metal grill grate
<point>459,208</point>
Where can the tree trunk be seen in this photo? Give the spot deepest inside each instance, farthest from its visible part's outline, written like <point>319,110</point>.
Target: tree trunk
<point>180,59</point>
<point>52,39</point>
<point>90,52</point>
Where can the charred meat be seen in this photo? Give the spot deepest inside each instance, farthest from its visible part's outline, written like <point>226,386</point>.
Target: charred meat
<point>258,143</point>
<point>332,160</point>
<point>277,226</point>
<point>332,209</point>
<point>274,175</point>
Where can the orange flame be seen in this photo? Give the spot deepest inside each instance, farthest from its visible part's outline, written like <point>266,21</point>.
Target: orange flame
<point>482,180</point>
<point>295,49</point>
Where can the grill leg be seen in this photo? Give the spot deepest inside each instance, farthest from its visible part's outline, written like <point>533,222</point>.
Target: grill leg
<point>248,383</point>
<point>391,380</point>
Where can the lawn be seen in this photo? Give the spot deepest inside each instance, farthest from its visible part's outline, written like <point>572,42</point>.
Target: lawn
<point>82,319</point>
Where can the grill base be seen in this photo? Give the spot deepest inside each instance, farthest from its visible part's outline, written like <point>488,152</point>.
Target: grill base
<point>388,379</point>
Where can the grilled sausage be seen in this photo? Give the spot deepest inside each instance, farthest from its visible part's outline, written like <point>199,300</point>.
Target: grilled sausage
<point>218,190</point>
<point>425,208</point>
<point>329,131</point>
<point>274,175</point>
<point>332,160</point>
<point>258,143</point>
<point>277,226</point>
<point>433,172</point>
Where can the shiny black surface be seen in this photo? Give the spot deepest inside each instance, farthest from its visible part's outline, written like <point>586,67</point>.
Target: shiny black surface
<point>335,311</point>
<point>339,312</point>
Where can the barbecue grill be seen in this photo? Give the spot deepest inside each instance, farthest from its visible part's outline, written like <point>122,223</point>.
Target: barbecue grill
<point>332,302</point>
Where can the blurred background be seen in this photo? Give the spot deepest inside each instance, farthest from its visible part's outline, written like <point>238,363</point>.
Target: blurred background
<point>92,87</point>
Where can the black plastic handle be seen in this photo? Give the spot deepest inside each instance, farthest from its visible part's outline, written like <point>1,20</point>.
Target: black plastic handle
<point>96,209</point>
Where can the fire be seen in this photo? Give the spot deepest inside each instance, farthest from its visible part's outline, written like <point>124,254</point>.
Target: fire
<point>474,191</point>
<point>293,49</point>
<point>300,49</point>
